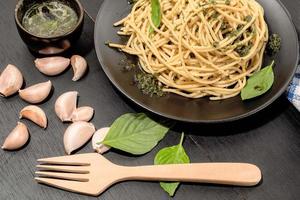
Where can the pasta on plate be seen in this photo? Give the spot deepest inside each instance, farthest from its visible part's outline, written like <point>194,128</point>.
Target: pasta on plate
<point>201,47</point>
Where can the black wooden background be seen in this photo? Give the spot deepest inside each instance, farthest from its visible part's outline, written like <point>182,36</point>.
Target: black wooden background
<point>270,139</point>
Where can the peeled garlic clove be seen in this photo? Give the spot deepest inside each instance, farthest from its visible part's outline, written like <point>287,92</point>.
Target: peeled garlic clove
<point>17,138</point>
<point>65,105</point>
<point>79,66</point>
<point>52,66</point>
<point>36,93</point>
<point>98,137</point>
<point>77,134</point>
<point>34,114</point>
<point>84,113</point>
<point>11,80</point>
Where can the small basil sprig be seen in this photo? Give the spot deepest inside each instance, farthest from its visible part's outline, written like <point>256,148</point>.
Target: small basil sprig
<point>171,155</point>
<point>135,133</point>
<point>259,83</point>
<point>155,14</point>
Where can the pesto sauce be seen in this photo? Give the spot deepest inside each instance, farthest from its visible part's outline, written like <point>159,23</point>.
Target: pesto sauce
<point>49,19</point>
<point>148,84</point>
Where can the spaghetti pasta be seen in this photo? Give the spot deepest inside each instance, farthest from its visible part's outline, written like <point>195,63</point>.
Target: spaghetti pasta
<point>201,48</point>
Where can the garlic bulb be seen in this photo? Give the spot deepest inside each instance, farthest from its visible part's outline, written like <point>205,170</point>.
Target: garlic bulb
<point>65,105</point>
<point>84,113</point>
<point>77,134</point>
<point>36,93</point>
<point>52,66</point>
<point>11,80</point>
<point>98,137</point>
<point>17,138</point>
<point>79,66</point>
<point>34,114</point>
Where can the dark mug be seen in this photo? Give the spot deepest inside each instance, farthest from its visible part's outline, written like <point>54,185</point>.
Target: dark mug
<point>49,45</point>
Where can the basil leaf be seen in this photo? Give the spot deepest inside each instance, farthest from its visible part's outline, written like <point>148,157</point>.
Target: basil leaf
<point>135,133</point>
<point>171,155</point>
<point>259,83</point>
<point>155,14</point>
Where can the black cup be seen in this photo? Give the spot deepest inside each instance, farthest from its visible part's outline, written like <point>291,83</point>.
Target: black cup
<point>49,45</point>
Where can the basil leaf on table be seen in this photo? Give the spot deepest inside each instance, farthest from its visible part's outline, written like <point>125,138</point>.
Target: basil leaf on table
<point>259,83</point>
<point>171,155</point>
<point>155,14</point>
<point>135,133</point>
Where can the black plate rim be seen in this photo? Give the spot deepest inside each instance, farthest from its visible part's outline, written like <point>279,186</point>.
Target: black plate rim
<point>229,119</point>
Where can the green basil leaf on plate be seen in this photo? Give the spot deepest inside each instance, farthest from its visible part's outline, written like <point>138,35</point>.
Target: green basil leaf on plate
<point>259,83</point>
<point>171,155</point>
<point>135,133</point>
<point>155,14</point>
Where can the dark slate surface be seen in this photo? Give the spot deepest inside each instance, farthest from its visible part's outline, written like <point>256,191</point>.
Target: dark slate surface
<point>270,139</point>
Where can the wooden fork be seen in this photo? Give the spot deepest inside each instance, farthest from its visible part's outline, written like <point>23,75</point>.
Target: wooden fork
<point>91,173</point>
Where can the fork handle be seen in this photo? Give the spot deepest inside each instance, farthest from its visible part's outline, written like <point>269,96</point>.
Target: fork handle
<point>239,174</point>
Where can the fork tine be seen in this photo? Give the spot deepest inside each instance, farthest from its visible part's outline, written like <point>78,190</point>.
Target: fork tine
<point>67,176</point>
<point>61,168</point>
<point>68,160</point>
<point>73,186</point>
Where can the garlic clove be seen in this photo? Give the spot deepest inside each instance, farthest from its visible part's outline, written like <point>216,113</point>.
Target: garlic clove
<point>52,66</point>
<point>98,137</point>
<point>79,66</point>
<point>11,80</point>
<point>17,138</point>
<point>77,134</point>
<point>36,93</point>
<point>84,113</point>
<point>34,114</point>
<point>65,105</point>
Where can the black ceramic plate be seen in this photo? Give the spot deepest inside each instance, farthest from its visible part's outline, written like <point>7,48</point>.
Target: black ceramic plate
<point>196,110</point>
